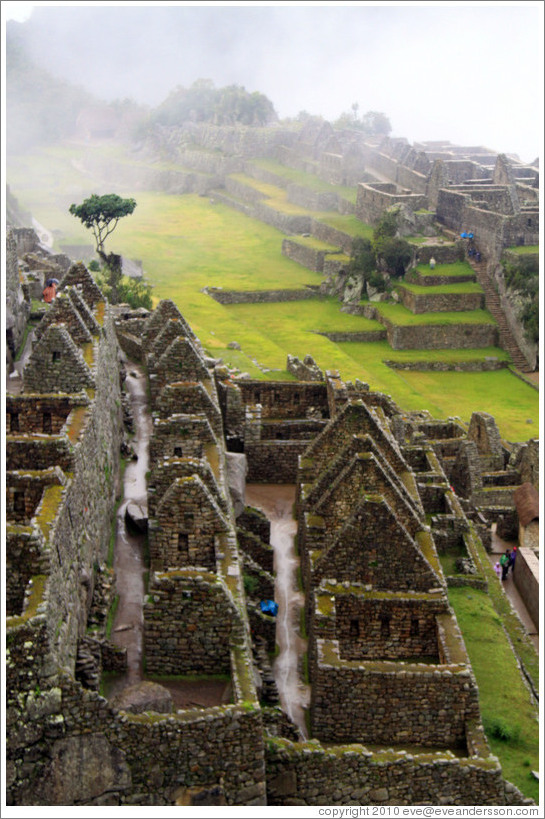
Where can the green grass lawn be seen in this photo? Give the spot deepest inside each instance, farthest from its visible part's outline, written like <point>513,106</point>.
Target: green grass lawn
<point>186,244</point>
<point>291,175</point>
<point>524,250</point>
<point>449,270</point>
<point>506,705</point>
<point>346,223</point>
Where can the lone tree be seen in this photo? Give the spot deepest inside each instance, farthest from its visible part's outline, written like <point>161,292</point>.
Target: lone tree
<point>101,214</point>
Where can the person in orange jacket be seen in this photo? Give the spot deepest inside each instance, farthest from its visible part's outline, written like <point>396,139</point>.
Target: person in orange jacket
<point>49,293</point>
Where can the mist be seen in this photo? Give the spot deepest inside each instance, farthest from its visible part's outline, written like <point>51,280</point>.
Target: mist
<point>461,72</point>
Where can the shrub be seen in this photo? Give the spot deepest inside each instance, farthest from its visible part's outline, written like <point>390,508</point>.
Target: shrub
<point>250,584</point>
<point>499,728</point>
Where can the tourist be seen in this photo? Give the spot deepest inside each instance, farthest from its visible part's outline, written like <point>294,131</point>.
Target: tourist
<point>497,569</point>
<point>512,557</point>
<point>504,562</point>
<point>50,292</point>
<point>432,263</point>
<point>478,256</point>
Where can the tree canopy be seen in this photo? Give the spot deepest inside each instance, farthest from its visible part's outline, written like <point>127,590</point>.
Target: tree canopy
<point>203,102</point>
<point>101,214</point>
<point>372,123</point>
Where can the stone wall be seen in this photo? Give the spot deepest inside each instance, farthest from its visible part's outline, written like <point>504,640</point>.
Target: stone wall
<point>326,233</point>
<point>17,308</point>
<point>184,530</point>
<point>370,695</point>
<point>260,551</point>
<point>286,399</point>
<point>373,200</point>
<point>274,462</point>
<point>526,577</point>
<point>37,413</point>
<point>440,302</point>
<point>312,774</point>
<point>87,754</point>
<point>380,628</point>
<point>259,296</point>
<point>488,364</point>
<point>202,602</point>
<point>180,436</point>
<point>441,337</point>
<point>309,257</point>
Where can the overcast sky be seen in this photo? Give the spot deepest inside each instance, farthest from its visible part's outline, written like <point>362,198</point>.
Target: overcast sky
<point>467,72</point>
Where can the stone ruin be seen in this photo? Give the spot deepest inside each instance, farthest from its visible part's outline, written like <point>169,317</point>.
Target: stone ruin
<point>380,494</point>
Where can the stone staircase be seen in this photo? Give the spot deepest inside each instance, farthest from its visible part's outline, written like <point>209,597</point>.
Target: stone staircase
<point>493,305</point>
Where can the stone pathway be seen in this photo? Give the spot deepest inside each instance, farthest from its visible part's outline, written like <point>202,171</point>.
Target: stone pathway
<point>513,594</point>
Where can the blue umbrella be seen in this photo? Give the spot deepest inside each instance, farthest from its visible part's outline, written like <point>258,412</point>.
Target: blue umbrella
<point>463,235</point>
<point>269,607</point>
<point>470,236</point>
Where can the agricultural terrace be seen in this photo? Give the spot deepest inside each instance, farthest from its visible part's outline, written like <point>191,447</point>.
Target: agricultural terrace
<point>186,244</point>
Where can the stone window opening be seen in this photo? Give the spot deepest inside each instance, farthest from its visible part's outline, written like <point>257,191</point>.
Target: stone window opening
<point>178,452</point>
<point>529,223</point>
<point>14,422</point>
<point>354,628</point>
<point>385,625</point>
<point>46,422</point>
<point>56,356</point>
<point>183,546</point>
<point>19,502</point>
<point>296,398</point>
<point>415,627</point>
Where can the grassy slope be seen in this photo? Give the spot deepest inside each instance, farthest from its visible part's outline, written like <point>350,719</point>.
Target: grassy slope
<point>502,693</point>
<point>187,244</point>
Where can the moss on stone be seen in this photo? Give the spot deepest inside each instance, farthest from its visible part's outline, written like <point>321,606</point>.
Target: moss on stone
<point>36,597</point>
<point>48,509</point>
<point>76,424</point>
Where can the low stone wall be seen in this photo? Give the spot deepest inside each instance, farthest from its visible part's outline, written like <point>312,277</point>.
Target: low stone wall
<point>244,192</point>
<point>366,335</point>
<point>260,296</point>
<point>285,222</point>
<point>415,277</point>
<point>312,774</point>
<point>309,257</point>
<point>310,199</point>
<point>526,577</point>
<point>440,302</point>
<point>486,365</point>
<point>441,336</point>
<point>274,462</point>
<point>332,236</point>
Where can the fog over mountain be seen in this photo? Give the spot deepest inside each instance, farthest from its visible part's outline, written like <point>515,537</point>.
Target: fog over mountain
<point>463,72</point>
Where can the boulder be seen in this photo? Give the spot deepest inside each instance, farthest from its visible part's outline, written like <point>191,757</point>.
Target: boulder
<point>144,696</point>
<point>136,516</point>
